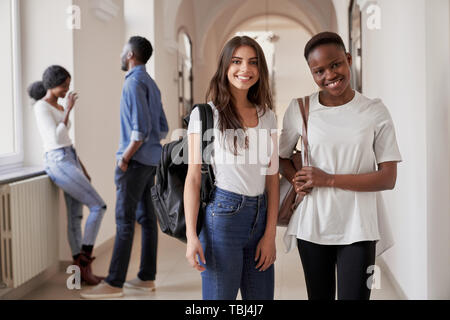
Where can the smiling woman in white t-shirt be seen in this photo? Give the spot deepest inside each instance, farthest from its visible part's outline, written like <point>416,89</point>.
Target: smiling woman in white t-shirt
<point>353,156</point>
<point>236,246</point>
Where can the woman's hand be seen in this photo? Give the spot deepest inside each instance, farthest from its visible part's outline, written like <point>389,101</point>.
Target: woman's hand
<point>194,248</point>
<point>310,177</point>
<point>266,253</point>
<point>71,99</point>
<point>297,186</point>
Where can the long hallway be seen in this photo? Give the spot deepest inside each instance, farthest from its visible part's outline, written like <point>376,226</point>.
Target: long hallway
<point>176,280</point>
<point>400,53</point>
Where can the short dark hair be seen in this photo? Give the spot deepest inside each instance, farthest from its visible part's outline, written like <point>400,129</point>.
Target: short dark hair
<point>323,38</point>
<point>53,77</point>
<point>142,48</point>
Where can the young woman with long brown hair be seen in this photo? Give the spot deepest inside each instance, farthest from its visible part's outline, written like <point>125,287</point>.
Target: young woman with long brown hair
<point>236,247</point>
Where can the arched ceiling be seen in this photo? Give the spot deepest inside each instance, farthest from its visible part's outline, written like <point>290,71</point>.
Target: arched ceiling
<point>216,19</point>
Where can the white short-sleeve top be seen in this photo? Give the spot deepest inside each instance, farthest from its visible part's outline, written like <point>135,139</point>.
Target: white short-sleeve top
<point>244,173</point>
<point>347,139</point>
<point>50,122</point>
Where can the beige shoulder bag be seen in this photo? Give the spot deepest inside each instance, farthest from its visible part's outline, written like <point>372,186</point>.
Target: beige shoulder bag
<point>289,199</point>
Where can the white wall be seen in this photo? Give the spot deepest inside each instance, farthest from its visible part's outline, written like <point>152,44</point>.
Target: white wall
<point>166,58</point>
<point>293,78</point>
<point>45,40</point>
<point>341,7</point>
<point>92,56</point>
<point>166,70</point>
<point>6,85</point>
<point>438,143</point>
<point>139,21</point>
<point>98,80</point>
<point>404,63</point>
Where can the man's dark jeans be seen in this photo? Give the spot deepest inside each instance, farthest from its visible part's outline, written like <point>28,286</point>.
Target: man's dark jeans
<point>134,203</point>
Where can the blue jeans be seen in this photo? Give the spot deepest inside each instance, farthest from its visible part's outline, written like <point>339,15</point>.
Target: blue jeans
<point>134,202</point>
<point>64,169</point>
<point>232,229</point>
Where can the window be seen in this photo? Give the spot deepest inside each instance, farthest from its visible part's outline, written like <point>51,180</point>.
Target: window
<point>185,78</point>
<point>11,152</point>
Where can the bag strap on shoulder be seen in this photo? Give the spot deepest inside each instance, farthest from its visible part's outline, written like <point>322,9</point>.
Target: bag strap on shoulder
<point>304,111</point>
<point>207,137</point>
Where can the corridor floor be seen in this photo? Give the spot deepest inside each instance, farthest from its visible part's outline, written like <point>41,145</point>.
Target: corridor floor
<point>176,280</point>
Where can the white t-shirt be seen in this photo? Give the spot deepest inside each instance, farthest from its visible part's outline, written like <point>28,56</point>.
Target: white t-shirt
<point>244,173</point>
<point>51,127</point>
<point>348,139</point>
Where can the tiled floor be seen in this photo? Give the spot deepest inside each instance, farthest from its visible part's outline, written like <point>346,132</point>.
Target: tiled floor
<point>176,280</point>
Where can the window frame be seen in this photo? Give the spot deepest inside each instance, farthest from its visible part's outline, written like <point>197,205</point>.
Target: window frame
<point>16,158</point>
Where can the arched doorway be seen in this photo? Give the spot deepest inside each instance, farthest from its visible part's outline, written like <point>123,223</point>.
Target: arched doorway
<point>211,22</point>
<point>185,76</point>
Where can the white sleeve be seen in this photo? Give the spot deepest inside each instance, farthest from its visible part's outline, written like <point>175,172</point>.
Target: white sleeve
<point>385,143</point>
<point>291,131</point>
<point>195,125</point>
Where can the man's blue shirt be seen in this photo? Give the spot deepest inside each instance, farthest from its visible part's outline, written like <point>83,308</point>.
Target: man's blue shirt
<point>142,117</point>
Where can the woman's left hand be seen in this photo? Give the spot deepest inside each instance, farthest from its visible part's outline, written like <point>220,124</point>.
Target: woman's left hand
<point>310,177</point>
<point>71,99</point>
<point>266,253</point>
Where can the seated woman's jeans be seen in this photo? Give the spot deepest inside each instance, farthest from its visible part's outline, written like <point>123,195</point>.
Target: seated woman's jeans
<point>233,226</point>
<point>64,169</point>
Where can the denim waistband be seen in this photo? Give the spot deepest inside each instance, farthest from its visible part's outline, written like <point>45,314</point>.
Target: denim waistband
<point>236,196</point>
<point>68,148</point>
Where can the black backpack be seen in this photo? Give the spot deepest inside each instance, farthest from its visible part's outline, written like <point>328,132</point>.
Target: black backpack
<point>168,191</point>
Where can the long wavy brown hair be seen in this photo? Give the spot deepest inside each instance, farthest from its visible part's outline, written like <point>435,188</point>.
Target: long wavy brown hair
<point>219,89</point>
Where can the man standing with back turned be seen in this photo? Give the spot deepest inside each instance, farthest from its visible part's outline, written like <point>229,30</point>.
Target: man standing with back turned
<point>143,125</point>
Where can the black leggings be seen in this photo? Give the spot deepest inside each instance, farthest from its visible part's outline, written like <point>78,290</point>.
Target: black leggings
<point>319,265</point>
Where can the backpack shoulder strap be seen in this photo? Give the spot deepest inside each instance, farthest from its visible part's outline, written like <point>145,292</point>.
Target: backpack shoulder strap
<point>207,119</point>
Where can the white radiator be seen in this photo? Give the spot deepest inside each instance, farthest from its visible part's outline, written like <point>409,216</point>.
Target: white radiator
<point>28,229</point>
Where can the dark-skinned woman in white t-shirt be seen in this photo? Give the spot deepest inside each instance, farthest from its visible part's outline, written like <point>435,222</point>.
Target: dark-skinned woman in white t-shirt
<point>354,154</point>
<point>65,168</point>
